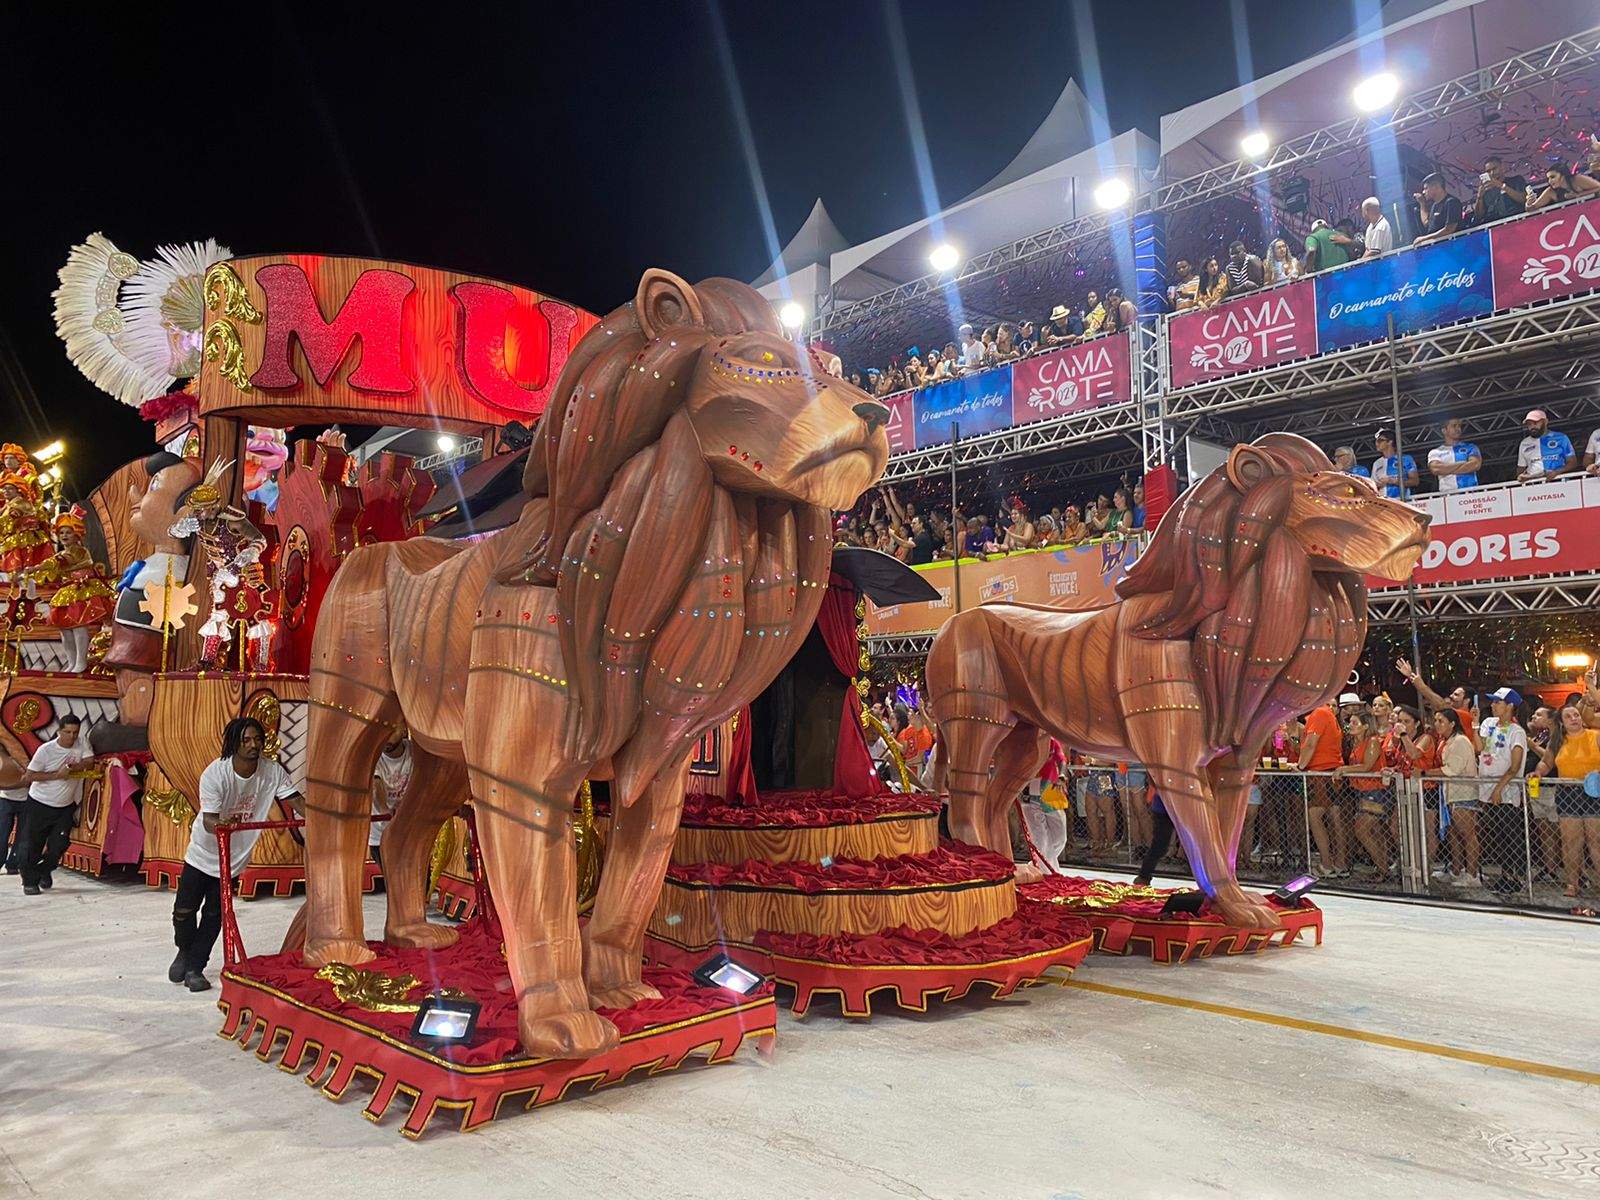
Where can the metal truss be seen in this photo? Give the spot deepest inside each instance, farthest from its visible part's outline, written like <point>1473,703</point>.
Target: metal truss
<point>900,645</point>
<point>1515,74</point>
<point>1561,325</point>
<point>466,447</point>
<point>1035,438</point>
<point>1490,598</point>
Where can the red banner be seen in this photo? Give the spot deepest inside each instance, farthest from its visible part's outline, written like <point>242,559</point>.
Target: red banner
<point>902,426</point>
<point>1501,533</point>
<point>1097,373</point>
<point>1546,254</point>
<point>1259,330</point>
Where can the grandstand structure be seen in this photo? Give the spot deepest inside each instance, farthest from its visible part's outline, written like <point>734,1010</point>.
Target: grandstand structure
<point>1474,78</point>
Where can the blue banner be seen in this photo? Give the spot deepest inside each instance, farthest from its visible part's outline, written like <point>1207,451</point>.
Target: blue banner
<point>978,404</point>
<point>1431,285</point>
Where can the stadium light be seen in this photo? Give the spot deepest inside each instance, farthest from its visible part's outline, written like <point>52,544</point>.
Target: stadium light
<point>792,316</point>
<point>945,257</point>
<point>1112,193</point>
<point>51,452</point>
<point>47,476</point>
<point>1254,145</point>
<point>1570,660</point>
<point>445,442</point>
<point>1376,91</point>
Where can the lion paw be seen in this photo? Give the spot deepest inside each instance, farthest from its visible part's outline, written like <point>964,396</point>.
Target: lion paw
<point>568,1035</point>
<point>351,953</point>
<point>1245,911</point>
<point>1028,873</point>
<point>420,935</point>
<point>622,995</point>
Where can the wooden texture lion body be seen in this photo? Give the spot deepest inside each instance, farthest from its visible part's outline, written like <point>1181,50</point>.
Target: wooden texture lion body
<point>649,589</point>
<point>1249,607</point>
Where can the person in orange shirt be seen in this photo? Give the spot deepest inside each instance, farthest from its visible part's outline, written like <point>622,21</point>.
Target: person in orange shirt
<point>1321,750</point>
<point>1375,796</point>
<point>915,738</point>
<point>1572,756</point>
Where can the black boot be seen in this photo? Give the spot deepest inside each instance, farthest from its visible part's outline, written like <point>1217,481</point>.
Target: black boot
<point>179,968</point>
<point>196,982</point>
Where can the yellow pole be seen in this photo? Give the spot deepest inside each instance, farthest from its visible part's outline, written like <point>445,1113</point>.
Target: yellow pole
<point>166,629</point>
<point>241,626</point>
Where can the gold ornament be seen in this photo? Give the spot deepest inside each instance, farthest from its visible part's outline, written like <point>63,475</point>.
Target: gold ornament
<point>223,347</point>
<point>27,713</point>
<point>170,604</point>
<point>225,290</point>
<point>171,803</point>
<point>266,709</point>
<point>1103,893</point>
<point>444,849</point>
<point>591,850</point>
<point>376,992</point>
<point>870,722</point>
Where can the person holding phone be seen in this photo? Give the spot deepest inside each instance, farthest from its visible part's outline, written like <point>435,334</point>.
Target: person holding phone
<point>1499,195</point>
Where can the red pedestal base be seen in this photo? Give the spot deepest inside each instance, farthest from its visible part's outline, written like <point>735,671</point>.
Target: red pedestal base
<point>84,857</point>
<point>277,1006</point>
<point>1128,920</point>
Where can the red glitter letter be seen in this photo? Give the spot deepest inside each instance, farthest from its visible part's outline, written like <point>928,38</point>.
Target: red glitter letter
<point>371,312</point>
<point>503,347</point>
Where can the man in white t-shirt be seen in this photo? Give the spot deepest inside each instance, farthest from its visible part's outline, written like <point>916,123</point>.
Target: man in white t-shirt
<point>971,350</point>
<point>53,795</point>
<point>1591,454</point>
<point>13,803</point>
<point>391,777</point>
<point>239,787</point>
<point>1379,238</point>
<point>1502,755</point>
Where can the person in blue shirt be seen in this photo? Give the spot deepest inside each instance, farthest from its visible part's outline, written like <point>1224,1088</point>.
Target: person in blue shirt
<point>1455,463</point>
<point>1387,469</point>
<point>1344,458</point>
<point>1543,452</point>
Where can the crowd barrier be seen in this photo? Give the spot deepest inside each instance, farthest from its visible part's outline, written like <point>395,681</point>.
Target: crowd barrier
<point>1375,833</point>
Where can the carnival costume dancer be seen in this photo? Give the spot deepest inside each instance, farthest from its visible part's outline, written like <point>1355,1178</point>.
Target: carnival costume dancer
<point>240,786</point>
<point>54,789</point>
<point>14,461</point>
<point>83,598</point>
<point>232,547</point>
<point>24,524</point>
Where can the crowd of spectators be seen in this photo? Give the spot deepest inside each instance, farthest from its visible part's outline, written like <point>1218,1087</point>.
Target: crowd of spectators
<point>1433,212</point>
<point>919,534</point>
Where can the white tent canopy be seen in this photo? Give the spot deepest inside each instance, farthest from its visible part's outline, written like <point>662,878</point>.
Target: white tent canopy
<point>817,240</point>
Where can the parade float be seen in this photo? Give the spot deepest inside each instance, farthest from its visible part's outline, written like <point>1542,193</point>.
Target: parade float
<point>627,656</point>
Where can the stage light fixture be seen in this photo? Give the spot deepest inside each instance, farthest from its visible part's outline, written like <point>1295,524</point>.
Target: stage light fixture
<point>944,257</point>
<point>1254,145</point>
<point>792,315</point>
<point>445,442</point>
<point>47,476</point>
<point>51,452</point>
<point>1571,660</point>
<point>1112,193</point>
<point>1376,91</point>
<point>1289,894</point>
<point>720,971</point>
<point>445,1019</point>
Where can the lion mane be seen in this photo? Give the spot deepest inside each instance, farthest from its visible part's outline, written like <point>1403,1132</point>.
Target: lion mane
<point>679,600</point>
<point>1221,560</point>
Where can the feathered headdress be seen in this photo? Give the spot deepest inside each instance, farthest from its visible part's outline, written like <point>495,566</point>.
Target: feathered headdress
<point>134,328</point>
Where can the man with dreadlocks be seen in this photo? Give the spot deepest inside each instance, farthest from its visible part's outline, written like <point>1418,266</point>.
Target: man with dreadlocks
<point>240,786</point>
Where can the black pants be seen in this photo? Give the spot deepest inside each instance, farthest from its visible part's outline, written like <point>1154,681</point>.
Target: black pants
<point>1504,838</point>
<point>197,916</point>
<point>11,828</point>
<point>43,840</point>
<point>1160,842</point>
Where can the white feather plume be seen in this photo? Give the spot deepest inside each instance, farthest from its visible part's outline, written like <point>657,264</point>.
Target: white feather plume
<point>134,347</point>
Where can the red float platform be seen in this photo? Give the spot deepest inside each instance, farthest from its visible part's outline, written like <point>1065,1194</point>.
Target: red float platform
<point>1127,919</point>
<point>280,1006</point>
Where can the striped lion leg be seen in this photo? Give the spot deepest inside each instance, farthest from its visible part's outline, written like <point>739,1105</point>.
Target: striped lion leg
<point>438,788</point>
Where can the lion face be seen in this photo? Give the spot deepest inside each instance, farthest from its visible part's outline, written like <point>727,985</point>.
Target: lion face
<point>1342,522</point>
<point>772,422</point>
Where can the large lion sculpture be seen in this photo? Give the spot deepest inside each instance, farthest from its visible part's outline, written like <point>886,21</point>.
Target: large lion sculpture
<point>672,553</point>
<point>1249,606</point>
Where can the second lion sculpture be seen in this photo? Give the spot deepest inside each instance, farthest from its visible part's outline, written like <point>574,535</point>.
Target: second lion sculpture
<point>670,558</point>
<point>1248,607</point>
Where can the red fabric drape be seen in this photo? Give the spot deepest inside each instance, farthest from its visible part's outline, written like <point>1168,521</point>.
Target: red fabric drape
<point>741,775</point>
<point>836,621</point>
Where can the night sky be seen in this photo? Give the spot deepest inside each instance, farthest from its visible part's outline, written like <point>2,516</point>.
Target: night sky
<point>562,147</point>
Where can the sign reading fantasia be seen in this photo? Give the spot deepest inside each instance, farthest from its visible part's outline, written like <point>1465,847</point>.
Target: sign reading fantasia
<point>362,340</point>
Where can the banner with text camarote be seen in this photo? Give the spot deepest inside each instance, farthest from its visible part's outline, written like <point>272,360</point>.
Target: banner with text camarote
<point>1502,533</point>
<point>1071,577</point>
<point>1435,284</point>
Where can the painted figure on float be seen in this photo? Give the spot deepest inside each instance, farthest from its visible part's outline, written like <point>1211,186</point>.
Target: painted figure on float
<point>83,597</point>
<point>672,553</point>
<point>1249,607</point>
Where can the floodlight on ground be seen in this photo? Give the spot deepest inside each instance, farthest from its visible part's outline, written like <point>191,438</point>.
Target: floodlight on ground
<point>1254,145</point>
<point>445,442</point>
<point>1112,193</point>
<point>721,971</point>
<point>1376,91</point>
<point>944,257</point>
<point>792,315</point>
